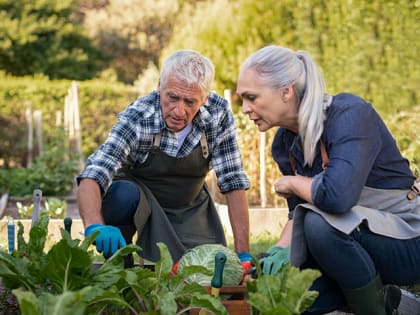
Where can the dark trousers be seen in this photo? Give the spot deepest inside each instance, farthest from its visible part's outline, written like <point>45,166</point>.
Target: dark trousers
<point>353,261</point>
<point>120,203</point>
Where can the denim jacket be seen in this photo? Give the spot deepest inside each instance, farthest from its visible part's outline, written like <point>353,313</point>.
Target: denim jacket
<point>361,151</point>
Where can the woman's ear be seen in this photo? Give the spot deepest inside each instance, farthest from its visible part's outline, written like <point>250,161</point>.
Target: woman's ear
<point>287,93</point>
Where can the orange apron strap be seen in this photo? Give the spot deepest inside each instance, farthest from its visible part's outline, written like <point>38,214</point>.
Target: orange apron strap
<point>324,157</point>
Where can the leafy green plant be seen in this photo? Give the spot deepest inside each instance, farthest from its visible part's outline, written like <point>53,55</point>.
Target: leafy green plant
<point>286,292</point>
<point>53,172</point>
<point>55,207</point>
<point>24,211</point>
<point>64,280</point>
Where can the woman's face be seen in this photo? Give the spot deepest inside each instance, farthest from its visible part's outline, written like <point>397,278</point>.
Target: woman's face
<point>265,106</point>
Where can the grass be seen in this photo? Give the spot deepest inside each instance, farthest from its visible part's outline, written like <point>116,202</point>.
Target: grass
<point>259,243</point>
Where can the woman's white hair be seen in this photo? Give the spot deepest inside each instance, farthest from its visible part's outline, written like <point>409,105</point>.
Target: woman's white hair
<point>190,67</point>
<point>280,67</point>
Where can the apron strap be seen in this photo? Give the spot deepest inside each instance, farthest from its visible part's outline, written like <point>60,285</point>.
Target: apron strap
<point>415,190</point>
<point>204,145</point>
<point>324,156</point>
<point>156,143</point>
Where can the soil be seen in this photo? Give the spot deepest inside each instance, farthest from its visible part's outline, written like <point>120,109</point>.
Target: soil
<point>8,303</point>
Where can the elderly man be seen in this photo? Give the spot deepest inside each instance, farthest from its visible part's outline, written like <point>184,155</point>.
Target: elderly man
<point>149,175</point>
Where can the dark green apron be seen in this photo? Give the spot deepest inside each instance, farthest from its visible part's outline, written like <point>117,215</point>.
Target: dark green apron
<point>175,206</point>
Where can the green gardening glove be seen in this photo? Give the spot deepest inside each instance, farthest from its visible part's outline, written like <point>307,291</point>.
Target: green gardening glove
<point>277,257</point>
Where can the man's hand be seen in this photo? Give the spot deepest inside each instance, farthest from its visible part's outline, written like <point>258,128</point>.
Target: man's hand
<point>109,239</point>
<point>276,258</point>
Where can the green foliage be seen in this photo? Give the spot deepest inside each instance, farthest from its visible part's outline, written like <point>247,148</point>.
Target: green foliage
<point>53,172</point>
<point>287,292</point>
<point>25,211</point>
<point>44,37</point>
<point>99,101</point>
<point>65,281</point>
<point>132,33</point>
<point>55,208</point>
<point>361,46</point>
<point>404,127</point>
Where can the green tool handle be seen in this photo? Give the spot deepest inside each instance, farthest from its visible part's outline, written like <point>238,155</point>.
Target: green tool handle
<point>67,224</point>
<point>219,264</point>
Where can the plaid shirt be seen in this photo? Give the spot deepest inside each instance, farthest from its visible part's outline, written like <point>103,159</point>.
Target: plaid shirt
<point>131,139</point>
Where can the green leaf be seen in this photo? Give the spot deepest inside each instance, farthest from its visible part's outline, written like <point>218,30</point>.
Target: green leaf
<point>299,298</point>
<point>164,265</point>
<point>68,268</point>
<point>69,303</point>
<point>166,303</point>
<point>14,273</point>
<point>183,274</point>
<point>286,292</point>
<point>28,302</point>
<point>208,302</point>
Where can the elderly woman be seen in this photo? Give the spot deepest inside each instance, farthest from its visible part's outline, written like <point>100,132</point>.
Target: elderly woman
<point>354,204</point>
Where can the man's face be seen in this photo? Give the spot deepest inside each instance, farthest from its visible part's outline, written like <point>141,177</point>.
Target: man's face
<point>179,102</point>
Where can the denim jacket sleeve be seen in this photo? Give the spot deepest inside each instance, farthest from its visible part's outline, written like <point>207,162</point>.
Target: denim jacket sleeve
<point>353,142</point>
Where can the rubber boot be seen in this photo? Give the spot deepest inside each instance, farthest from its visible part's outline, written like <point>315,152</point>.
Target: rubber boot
<point>128,232</point>
<point>374,299</point>
<point>392,296</point>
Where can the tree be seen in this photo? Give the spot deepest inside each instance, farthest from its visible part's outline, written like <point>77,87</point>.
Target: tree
<point>44,36</point>
<point>132,33</point>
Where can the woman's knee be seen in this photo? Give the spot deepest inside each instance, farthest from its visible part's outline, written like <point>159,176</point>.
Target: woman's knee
<point>120,202</point>
<point>320,236</point>
<point>315,226</point>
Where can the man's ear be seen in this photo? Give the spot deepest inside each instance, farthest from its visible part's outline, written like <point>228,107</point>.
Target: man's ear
<point>158,86</point>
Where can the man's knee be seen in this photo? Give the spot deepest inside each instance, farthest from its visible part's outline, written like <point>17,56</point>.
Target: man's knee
<point>120,203</point>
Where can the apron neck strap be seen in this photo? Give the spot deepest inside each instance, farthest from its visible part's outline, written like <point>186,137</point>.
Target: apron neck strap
<point>203,143</point>
<point>324,157</point>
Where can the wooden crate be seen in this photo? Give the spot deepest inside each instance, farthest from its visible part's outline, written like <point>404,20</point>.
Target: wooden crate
<point>233,298</point>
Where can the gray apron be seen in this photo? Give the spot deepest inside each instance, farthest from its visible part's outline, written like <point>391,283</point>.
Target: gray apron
<point>386,212</point>
<point>175,206</point>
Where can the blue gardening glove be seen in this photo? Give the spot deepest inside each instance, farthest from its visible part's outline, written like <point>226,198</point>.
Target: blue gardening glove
<point>246,262</point>
<point>109,239</point>
<point>277,257</point>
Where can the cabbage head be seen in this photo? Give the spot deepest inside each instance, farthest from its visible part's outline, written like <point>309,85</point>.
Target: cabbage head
<point>203,255</point>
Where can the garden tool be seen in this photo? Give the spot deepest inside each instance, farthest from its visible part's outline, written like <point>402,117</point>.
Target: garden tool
<point>217,279</point>
<point>11,234</point>
<point>37,202</point>
<point>3,203</point>
<point>67,224</point>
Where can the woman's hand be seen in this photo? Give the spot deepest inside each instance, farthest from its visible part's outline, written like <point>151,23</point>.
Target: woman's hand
<point>283,186</point>
<point>287,186</point>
